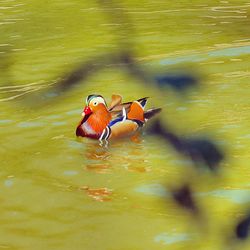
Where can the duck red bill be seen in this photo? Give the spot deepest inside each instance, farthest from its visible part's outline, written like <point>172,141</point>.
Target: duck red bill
<point>86,111</point>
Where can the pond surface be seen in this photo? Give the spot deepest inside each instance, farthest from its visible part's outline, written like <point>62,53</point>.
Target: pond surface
<point>61,192</point>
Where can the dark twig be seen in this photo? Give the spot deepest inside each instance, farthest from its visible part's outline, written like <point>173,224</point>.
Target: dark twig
<point>202,152</point>
<point>242,228</point>
<point>183,196</point>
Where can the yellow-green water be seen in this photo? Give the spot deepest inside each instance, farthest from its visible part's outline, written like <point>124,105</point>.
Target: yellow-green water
<point>60,192</point>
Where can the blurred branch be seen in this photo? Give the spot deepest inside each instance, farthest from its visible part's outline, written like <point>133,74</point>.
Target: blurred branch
<point>242,228</point>
<point>202,152</point>
<point>124,28</point>
<point>183,196</point>
<point>124,60</point>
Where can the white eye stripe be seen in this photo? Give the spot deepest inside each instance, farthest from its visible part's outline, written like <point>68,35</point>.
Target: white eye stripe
<point>95,101</point>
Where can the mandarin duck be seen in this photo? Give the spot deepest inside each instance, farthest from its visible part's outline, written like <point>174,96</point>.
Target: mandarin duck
<point>103,122</point>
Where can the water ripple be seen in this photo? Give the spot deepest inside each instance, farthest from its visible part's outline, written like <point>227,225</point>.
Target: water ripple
<point>171,238</point>
<point>21,90</point>
<point>223,52</point>
<point>5,121</point>
<point>30,124</point>
<point>236,195</point>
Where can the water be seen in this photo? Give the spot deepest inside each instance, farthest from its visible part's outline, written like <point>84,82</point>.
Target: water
<point>60,192</point>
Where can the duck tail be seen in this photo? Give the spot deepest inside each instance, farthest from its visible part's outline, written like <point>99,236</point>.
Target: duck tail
<point>143,101</point>
<point>151,112</point>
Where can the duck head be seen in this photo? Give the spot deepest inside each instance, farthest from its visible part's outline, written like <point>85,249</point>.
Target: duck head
<point>95,117</point>
<point>94,104</point>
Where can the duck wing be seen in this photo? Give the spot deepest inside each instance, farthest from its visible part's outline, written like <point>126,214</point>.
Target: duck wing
<point>125,124</point>
<point>115,100</point>
<point>116,110</point>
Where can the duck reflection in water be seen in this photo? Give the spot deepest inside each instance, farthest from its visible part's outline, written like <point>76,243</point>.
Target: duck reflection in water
<point>128,152</point>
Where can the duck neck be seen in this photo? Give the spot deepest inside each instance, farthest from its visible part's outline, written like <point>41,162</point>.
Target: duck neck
<point>99,120</point>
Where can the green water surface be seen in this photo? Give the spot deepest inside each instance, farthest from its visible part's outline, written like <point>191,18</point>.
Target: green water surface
<point>60,192</point>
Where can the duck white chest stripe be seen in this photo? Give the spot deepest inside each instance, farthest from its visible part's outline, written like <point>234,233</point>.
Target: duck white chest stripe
<point>105,134</point>
<point>87,129</point>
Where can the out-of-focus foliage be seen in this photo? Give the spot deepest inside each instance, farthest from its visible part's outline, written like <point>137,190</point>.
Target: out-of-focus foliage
<point>109,196</point>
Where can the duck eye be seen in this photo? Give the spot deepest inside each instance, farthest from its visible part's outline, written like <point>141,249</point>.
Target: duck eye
<point>95,103</point>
